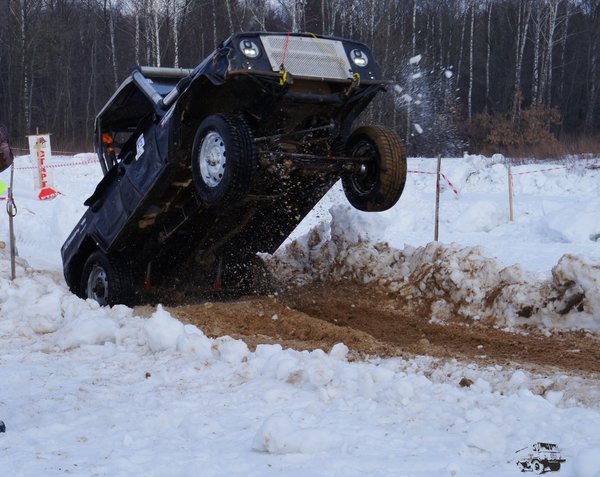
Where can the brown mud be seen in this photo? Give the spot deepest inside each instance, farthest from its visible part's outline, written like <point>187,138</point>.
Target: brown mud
<point>373,322</point>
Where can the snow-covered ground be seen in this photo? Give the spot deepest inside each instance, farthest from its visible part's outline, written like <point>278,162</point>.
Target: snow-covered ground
<point>556,210</point>
<point>94,391</point>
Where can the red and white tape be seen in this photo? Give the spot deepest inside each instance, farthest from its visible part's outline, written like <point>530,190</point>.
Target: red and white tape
<point>62,153</point>
<point>85,162</point>
<point>449,183</point>
<point>442,175</point>
<point>539,170</point>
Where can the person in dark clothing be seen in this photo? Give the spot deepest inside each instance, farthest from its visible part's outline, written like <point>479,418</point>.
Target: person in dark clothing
<point>6,155</point>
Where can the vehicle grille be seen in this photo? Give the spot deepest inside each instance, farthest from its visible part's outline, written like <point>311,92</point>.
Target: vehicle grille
<point>314,57</point>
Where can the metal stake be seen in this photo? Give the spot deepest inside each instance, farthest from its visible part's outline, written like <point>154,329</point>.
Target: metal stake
<point>510,194</point>
<point>437,198</point>
<point>11,210</point>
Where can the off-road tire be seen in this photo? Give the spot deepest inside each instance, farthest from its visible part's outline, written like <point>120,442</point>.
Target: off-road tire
<point>119,273</point>
<point>537,467</point>
<point>240,162</point>
<point>381,183</point>
<point>554,466</point>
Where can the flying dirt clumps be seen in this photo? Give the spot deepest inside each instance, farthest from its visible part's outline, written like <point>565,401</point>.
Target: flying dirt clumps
<point>454,281</point>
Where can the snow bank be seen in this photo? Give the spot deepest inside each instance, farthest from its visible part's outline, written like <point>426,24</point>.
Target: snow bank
<point>85,387</point>
<point>452,279</point>
<point>556,210</point>
<point>102,391</point>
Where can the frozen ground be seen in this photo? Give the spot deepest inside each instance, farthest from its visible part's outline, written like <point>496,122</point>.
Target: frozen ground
<point>92,391</point>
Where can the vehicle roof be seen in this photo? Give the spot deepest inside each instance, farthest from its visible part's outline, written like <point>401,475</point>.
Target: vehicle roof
<point>128,104</point>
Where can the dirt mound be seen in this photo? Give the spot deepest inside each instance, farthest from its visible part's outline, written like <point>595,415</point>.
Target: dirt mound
<point>451,280</point>
<point>373,321</point>
<point>443,300</point>
<point>271,320</point>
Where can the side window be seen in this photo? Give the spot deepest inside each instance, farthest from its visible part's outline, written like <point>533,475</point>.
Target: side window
<point>133,143</point>
<point>109,155</point>
<point>115,147</point>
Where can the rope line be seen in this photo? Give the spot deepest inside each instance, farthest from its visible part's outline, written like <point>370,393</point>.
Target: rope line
<point>85,162</point>
<point>67,153</point>
<point>539,170</point>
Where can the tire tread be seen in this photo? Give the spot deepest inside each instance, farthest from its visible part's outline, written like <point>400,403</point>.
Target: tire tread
<point>241,159</point>
<point>121,277</point>
<point>392,174</point>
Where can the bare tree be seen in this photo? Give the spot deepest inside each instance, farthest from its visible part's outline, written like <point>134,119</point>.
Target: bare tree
<point>295,11</point>
<point>552,18</point>
<point>488,54</point>
<point>470,99</point>
<point>535,82</point>
<point>462,40</point>
<point>523,16</point>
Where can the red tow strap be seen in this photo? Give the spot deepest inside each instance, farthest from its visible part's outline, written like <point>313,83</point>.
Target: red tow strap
<point>285,48</point>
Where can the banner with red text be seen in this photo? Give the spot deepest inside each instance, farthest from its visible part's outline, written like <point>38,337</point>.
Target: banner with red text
<point>41,154</point>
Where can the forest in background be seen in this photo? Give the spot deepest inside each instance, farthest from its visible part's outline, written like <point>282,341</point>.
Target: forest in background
<point>513,76</point>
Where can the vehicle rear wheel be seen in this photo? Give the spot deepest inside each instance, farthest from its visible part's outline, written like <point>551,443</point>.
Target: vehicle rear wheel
<point>537,466</point>
<point>108,280</point>
<point>554,466</point>
<point>223,159</point>
<point>380,182</point>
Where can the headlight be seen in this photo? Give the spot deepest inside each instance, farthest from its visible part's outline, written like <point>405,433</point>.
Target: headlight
<point>359,58</point>
<point>249,48</point>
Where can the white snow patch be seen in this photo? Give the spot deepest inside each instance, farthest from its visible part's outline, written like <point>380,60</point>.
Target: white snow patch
<point>280,435</point>
<point>91,329</point>
<point>587,462</point>
<point>163,332</point>
<point>487,437</point>
<point>415,60</point>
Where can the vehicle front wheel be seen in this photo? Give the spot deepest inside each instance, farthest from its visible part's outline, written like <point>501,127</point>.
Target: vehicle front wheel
<point>223,159</point>
<point>379,182</point>
<point>108,280</point>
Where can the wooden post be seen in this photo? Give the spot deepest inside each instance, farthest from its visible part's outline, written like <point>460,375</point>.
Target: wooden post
<point>510,194</point>
<point>437,198</point>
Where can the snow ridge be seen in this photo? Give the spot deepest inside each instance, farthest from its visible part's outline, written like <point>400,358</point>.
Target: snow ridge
<point>454,280</point>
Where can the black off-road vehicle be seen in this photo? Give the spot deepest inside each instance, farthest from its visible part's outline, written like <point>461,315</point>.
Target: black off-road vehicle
<point>204,168</point>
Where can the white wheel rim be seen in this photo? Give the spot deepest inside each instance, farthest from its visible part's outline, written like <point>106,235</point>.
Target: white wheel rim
<point>212,158</point>
<point>97,285</point>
